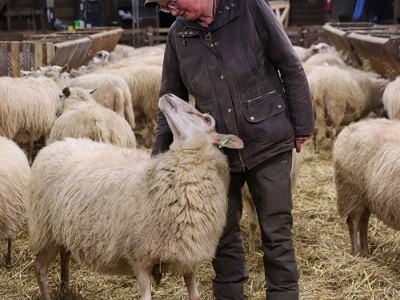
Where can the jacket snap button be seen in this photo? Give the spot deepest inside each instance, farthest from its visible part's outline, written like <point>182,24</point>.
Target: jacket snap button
<point>229,110</point>
<point>252,118</point>
<point>222,77</point>
<point>279,105</point>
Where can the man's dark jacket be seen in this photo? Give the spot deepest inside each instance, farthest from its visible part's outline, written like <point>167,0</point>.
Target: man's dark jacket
<point>244,72</point>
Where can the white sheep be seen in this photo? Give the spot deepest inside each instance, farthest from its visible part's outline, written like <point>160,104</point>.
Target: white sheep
<point>28,105</point>
<point>342,95</point>
<point>120,211</point>
<point>366,160</point>
<point>83,117</point>
<point>391,99</point>
<point>144,82</point>
<point>112,92</point>
<point>249,207</point>
<point>14,176</point>
<point>326,58</point>
<point>305,53</point>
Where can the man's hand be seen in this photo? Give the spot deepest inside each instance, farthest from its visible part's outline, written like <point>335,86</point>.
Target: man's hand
<point>300,139</point>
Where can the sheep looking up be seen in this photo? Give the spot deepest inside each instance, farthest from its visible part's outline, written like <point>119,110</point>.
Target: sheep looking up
<point>366,160</point>
<point>120,211</point>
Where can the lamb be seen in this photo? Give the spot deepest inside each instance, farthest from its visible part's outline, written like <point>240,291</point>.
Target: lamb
<point>120,211</point>
<point>391,99</point>
<point>366,160</point>
<point>356,94</point>
<point>28,105</point>
<point>249,207</point>
<point>112,92</point>
<point>14,176</point>
<point>82,116</point>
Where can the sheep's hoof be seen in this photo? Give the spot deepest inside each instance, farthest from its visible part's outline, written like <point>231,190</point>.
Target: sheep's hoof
<point>9,265</point>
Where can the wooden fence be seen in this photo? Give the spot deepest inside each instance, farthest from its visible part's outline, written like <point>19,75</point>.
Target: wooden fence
<point>74,48</point>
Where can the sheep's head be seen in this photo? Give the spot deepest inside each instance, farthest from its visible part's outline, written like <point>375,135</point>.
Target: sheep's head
<point>79,94</point>
<point>184,120</point>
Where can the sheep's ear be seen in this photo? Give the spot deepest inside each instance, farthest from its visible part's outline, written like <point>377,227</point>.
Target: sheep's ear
<point>91,91</point>
<point>65,68</point>
<point>66,91</point>
<point>226,140</point>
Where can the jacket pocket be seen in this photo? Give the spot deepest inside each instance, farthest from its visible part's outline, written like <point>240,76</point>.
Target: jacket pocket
<point>268,118</point>
<point>263,107</point>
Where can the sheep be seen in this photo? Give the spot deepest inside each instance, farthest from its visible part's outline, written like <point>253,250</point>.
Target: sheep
<point>144,83</point>
<point>14,176</point>
<point>112,92</point>
<point>326,58</point>
<point>28,105</point>
<point>305,53</point>
<point>342,95</point>
<point>249,207</point>
<point>391,99</point>
<point>366,161</point>
<point>82,116</point>
<point>121,211</point>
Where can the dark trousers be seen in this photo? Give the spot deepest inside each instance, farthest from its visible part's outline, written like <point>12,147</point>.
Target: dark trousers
<point>270,186</point>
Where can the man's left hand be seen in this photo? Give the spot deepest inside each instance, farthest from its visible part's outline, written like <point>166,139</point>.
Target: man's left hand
<point>299,140</point>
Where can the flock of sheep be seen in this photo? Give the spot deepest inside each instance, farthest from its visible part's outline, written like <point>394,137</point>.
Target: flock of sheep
<point>142,214</point>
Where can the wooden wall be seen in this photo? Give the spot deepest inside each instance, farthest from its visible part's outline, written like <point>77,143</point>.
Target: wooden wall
<point>306,12</point>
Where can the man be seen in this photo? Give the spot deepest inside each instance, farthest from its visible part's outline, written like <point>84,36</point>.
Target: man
<point>235,58</point>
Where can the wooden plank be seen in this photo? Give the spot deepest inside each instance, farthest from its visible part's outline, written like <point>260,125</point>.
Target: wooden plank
<point>104,40</point>
<point>72,52</point>
<point>38,47</point>
<point>4,58</point>
<point>50,53</point>
<point>281,10</point>
<point>26,56</point>
<point>14,56</point>
<point>377,54</point>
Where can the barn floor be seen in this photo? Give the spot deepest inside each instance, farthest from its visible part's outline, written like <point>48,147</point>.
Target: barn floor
<point>327,269</point>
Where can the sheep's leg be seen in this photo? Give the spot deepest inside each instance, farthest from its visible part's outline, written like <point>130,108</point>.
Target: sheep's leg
<point>190,281</point>
<point>65,259</point>
<point>320,124</point>
<point>363,230</point>
<point>144,281</point>
<point>41,266</point>
<point>9,256</point>
<point>353,221</point>
<point>251,217</point>
<point>30,151</point>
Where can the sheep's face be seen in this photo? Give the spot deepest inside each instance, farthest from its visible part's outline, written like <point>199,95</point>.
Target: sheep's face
<point>185,122</point>
<point>60,105</point>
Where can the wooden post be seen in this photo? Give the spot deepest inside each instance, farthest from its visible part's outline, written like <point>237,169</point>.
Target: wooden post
<point>15,65</point>
<point>3,59</point>
<point>38,47</point>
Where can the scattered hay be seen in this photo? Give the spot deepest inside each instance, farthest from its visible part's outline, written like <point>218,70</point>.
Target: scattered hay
<point>327,269</point>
